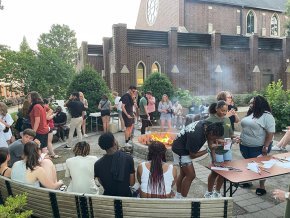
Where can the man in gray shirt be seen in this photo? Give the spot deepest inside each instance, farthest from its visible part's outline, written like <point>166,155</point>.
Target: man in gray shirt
<point>16,148</point>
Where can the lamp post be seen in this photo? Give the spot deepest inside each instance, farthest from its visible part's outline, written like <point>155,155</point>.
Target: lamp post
<point>257,78</point>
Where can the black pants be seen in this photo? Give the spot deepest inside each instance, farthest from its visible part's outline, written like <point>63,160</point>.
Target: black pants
<point>145,123</point>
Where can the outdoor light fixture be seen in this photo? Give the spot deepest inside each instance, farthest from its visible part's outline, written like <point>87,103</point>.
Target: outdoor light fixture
<point>218,69</point>
<point>174,69</point>
<point>256,69</point>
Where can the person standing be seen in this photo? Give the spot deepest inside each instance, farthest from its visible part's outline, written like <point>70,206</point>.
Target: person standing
<point>76,108</point>
<point>166,112</point>
<point>187,146</point>
<point>105,107</point>
<point>84,115</point>
<point>37,114</point>
<point>151,107</point>
<point>118,107</point>
<point>115,170</point>
<point>258,128</point>
<point>232,109</point>
<point>144,115</point>
<point>127,113</point>
<point>8,121</point>
<point>177,111</point>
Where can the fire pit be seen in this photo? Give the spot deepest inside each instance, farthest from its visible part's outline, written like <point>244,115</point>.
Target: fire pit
<point>141,143</point>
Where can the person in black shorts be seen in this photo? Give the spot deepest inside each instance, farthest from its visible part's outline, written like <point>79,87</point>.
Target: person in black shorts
<point>127,113</point>
<point>187,146</point>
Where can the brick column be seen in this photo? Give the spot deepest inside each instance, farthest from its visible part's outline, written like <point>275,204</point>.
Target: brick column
<point>106,60</point>
<point>255,77</point>
<point>121,81</point>
<point>173,71</point>
<point>286,59</point>
<point>216,77</point>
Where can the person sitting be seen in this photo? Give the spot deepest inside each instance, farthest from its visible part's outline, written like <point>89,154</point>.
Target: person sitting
<point>81,170</point>
<point>30,171</point>
<point>155,176</point>
<point>16,148</point>
<point>4,158</point>
<point>115,170</point>
<point>60,119</point>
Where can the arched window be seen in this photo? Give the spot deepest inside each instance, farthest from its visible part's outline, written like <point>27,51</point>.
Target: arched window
<point>250,22</point>
<point>275,25</point>
<point>155,68</point>
<point>140,74</point>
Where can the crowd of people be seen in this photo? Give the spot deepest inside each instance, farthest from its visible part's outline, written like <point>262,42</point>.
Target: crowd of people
<point>29,159</point>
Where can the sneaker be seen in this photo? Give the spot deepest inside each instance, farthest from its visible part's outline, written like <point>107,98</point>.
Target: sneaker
<point>67,147</point>
<point>208,194</point>
<point>216,194</point>
<point>127,145</point>
<point>276,148</point>
<point>284,149</point>
<point>85,136</point>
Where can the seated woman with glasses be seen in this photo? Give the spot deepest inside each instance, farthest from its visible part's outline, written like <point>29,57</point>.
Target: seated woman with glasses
<point>155,176</point>
<point>81,170</point>
<point>31,171</point>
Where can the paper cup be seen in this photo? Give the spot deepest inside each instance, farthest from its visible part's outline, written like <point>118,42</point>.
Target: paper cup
<point>228,143</point>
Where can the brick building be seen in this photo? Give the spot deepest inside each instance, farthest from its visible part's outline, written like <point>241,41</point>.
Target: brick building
<point>202,45</point>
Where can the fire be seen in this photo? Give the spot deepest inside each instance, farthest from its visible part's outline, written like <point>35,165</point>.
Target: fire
<point>166,139</point>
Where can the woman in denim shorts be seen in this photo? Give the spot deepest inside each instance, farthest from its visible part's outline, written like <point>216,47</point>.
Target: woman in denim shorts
<point>187,146</point>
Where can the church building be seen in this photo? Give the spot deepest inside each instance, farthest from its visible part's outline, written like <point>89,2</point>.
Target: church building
<point>202,45</point>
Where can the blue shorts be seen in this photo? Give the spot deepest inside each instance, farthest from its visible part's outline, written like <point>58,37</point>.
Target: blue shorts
<point>223,157</point>
<point>251,152</point>
<point>181,160</point>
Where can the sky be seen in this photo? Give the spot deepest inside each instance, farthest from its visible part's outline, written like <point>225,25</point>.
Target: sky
<point>90,19</point>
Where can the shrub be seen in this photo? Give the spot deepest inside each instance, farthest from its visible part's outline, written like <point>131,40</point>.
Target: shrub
<point>92,85</point>
<point>279,101</point>
<point>13,207</point>
<point>159,84</point>
<point>184,97</point>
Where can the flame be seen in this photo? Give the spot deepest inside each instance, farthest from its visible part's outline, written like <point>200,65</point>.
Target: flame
<point>165,139</point>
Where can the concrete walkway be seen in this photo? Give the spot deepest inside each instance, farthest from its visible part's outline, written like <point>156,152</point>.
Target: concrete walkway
<point>246,203</point>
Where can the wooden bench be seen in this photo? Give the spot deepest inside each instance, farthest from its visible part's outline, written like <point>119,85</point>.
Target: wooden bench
<point>50,203</point>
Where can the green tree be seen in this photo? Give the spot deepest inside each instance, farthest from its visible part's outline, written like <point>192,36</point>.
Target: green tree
<point>24,45</point>
<point>52,75</point>
<point>159,84</point>
<point>279,101</point>
<point>288,14</point>
<point>63,39</point>
<point>92,85</point>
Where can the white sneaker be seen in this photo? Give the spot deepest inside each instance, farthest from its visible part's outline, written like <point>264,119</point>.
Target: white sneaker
<point>284,149</point>
<point>216,194</point>
<point>208,194</point>
<point>276,148</point>
<point>85,136</point>
<point>127,145</point>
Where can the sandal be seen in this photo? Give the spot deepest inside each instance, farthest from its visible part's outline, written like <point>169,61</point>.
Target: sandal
<point>260,191</point>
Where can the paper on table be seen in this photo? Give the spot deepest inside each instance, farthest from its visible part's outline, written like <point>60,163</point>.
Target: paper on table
<point>284,165</point>
<point>268,164</point>
<point>219,168</point>
<point>253,167</point>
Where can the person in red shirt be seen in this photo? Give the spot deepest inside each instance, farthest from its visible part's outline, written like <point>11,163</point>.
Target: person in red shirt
<point>37,114</point>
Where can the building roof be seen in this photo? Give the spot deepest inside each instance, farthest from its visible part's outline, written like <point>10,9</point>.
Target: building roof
<point>272,5</point>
